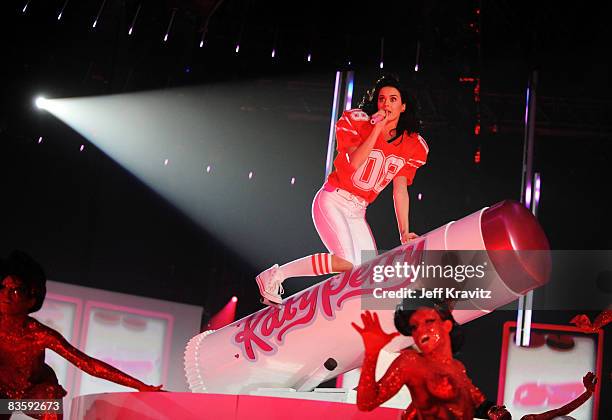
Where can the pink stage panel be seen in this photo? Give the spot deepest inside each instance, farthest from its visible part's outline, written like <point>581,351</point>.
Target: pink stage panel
<point>135,340</point>
<point>186,406</point>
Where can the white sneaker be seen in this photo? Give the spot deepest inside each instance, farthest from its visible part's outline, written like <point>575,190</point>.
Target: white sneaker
<point>269,303</point>
<point>270,284</point>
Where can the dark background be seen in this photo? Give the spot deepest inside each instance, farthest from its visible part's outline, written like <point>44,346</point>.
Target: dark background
<point>90,222</point>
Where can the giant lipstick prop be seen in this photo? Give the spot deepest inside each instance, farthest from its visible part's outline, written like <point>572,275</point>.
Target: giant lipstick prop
<point>310,339</point>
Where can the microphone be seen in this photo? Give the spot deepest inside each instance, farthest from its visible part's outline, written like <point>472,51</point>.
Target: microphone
<point>377,118</point>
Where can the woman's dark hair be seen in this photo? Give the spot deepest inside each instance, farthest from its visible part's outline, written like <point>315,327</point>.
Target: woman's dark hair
<point>402,317</point>
<point>408,120</point>
<point>21,265</point>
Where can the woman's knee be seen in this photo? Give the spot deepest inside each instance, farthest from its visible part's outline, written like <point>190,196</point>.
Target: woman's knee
<point>340,265</point>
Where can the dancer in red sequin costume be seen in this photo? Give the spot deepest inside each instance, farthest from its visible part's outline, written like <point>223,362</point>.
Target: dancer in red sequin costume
<point>438,383</point>
<point>23,340</point>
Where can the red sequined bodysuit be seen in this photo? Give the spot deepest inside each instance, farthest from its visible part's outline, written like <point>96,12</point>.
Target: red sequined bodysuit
<point>439,391</point>
<point>24,374</point>
<point>438,383</point>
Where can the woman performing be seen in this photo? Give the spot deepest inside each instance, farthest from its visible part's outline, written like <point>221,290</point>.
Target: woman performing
<point>377,143</point>
<point>438,383</point>
<point>23,341</point>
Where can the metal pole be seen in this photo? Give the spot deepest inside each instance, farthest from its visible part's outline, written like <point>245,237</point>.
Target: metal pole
<point>348,91</point>
<point>331,141</point>
<point>525,304</point>
<point>528,141</point>
<point>343,98</point>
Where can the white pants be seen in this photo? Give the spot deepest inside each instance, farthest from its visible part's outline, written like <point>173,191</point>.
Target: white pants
<point>339,218</point>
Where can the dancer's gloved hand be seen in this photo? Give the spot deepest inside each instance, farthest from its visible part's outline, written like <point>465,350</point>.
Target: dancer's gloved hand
<point>589,381</point>
<point>151,388</point>
<point>499,412</point>
<point>374,338</point>
<point>583,322</point>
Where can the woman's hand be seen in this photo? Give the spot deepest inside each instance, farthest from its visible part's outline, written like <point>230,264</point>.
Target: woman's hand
<point>374,338</point>
<point>406,237</point>
<point>379,117</point>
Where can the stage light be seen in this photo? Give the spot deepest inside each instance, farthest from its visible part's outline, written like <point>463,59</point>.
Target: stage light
<point>273,53</point>
<point>528,196</point>
<point>201,43</point>
<point>416,67</point>
<point>381,65</point>
<point>40,140</point>
<point>82,148</point>
<point>225,316</point>
<point>536,196</point>
<point>134,20</point>
<point>40,102</point>
<point>25,7</point>
<point>166,162</point>
<point>59,17</point>
<point>251,175</point>
<point>309,58</point>
<point>99,13</point>
<point>292,181</point>
<point>170,24</point>
<point>420,196</point>
<point>237,48</point>
<point>208,169</point>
